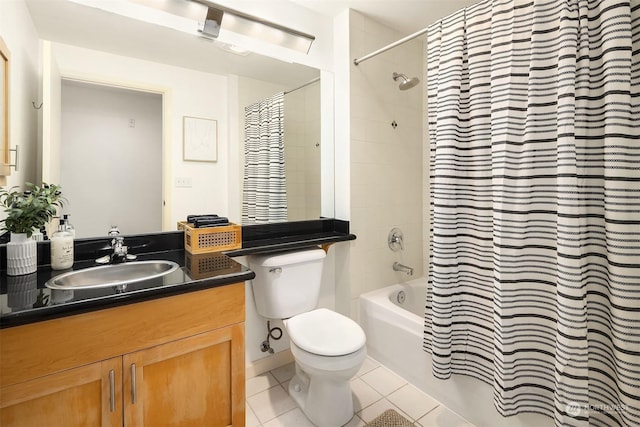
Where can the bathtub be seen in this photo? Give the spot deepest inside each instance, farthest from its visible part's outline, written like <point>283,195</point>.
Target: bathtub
<point>393,320</point>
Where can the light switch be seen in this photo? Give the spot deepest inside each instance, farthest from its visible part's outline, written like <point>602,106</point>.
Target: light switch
<point>183,182</point>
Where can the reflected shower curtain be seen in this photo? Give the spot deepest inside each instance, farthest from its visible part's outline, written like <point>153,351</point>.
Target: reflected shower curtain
<point>534,275</point>
<point>264,195</point>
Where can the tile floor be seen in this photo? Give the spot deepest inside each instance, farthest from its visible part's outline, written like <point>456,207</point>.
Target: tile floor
<point>375,389</point>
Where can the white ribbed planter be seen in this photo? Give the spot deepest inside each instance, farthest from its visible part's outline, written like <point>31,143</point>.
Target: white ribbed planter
<point>22,255</point>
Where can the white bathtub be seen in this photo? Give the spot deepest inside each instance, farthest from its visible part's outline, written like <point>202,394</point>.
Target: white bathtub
<point>394,338</point>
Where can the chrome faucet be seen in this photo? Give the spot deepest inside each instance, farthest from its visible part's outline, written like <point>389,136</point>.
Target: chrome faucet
<point>401,267</point>
<point>119,252</point>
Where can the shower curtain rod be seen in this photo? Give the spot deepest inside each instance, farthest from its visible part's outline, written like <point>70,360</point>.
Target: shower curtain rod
<point>310,82</point>
<point>391,46</point>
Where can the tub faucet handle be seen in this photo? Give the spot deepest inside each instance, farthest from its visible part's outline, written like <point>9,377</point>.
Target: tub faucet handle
<point>395,240</point>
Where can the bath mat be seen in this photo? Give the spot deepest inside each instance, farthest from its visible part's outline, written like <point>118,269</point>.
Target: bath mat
<point>390,418</point>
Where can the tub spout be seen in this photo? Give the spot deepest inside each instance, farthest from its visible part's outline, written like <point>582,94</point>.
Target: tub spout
<point>401,267</point>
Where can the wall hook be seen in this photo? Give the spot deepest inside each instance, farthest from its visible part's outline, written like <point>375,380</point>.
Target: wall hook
<point>394,124</point>
<point>34,105</point>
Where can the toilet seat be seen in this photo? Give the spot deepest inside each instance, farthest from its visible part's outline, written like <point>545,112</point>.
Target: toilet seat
<point>325,333</point>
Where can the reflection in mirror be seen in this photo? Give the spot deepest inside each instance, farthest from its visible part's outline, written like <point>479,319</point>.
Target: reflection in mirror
<point>194,78</point>
<point>111,162</point>
<point>302,151</point>
<point>282,157</point>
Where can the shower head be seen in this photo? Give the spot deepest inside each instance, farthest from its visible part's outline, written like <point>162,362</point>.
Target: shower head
<point>406,83</point>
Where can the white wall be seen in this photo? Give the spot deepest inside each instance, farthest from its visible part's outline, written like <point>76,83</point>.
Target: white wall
<point>186,93</point>
<point>386,163</point>
<point>18,33</point>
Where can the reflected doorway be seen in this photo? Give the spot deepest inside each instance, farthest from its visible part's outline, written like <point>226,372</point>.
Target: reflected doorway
<point>111,158</point>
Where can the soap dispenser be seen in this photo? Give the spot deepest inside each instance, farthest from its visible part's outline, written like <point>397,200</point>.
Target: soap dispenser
<point>68,227</point>
<point>61,248</point>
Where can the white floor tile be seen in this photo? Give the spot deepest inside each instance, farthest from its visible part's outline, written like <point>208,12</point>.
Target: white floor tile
<point>383,380</point>
<point>260,383</point>
<point>442,417</point>
<point>369,364</point>
<point>412,401</point>
<point>293,418</point>
<point>363,394</point>
<point>270,403</point>
<point>250,418</point>
<point>284,373</point>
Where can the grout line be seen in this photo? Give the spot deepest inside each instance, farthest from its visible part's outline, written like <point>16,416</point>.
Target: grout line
<point>428,412</point>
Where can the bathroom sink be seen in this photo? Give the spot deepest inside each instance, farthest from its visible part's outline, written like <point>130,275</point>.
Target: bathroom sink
<point>112,275</point>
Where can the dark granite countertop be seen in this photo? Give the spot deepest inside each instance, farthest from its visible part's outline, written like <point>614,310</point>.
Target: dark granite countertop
<point>26,299</point>
<point>285,236</point>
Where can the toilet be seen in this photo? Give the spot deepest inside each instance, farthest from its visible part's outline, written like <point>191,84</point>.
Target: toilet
<point>328,348</point>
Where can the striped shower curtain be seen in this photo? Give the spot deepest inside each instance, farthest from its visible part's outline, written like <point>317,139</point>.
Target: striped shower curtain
<point>264,195</point>
<point>534,273</point>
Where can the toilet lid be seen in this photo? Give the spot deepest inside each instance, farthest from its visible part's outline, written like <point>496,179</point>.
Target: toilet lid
<point>325,332</point>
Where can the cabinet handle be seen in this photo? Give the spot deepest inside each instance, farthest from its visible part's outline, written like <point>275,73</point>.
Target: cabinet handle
<point>133,383</point>
<point>112,390</point>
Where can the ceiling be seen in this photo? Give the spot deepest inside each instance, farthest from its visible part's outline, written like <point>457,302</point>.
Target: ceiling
<point>77,24</point>
<point>406,16</point>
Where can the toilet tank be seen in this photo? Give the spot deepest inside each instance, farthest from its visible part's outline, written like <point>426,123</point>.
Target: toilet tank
<point>286,283</point>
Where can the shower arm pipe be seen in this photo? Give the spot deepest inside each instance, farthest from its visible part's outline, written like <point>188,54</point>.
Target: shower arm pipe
<point>310,82</point>
<point>410,37</point>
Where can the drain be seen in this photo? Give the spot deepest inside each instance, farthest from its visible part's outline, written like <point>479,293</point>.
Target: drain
<point>401,297</point>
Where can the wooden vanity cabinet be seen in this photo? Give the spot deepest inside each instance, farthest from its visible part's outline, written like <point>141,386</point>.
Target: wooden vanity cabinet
<point>189,382</point>
<point>175,361</point>
<point>72,398</point>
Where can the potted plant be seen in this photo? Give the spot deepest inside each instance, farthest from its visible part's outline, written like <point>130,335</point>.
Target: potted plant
<point>25,212</point>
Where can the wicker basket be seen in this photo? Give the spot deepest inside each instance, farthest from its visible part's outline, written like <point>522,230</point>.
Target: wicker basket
<point>211,239</point>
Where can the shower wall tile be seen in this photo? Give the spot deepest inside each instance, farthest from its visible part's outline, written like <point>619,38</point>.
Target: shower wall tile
<point>386,162</point>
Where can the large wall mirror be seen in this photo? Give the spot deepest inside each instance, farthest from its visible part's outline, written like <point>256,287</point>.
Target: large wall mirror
<point>178,76</point>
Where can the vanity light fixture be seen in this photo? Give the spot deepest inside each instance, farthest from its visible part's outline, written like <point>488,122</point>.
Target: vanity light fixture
<point>219,17</point>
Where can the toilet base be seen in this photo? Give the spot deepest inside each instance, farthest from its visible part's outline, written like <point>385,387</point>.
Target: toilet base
<point>332,401</point>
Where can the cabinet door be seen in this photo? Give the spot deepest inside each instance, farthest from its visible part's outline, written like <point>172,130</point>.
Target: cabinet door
<point>87,396</point>
<point>192,382</point>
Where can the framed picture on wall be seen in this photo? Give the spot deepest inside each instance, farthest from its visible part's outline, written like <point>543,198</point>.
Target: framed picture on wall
<point>200,139</point>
